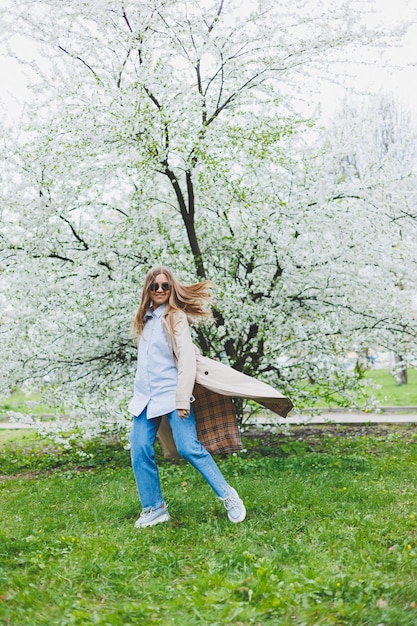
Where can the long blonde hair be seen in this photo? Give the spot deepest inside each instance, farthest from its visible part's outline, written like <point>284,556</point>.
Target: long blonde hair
<point>192,299</point>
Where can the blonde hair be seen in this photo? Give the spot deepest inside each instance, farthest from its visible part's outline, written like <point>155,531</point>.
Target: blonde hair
<point>192,299</point>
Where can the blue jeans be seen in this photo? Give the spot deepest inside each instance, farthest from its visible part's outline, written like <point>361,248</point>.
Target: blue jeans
<point>142,439</point>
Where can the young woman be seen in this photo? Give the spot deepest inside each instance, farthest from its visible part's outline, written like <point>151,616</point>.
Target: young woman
<point>164,383</point>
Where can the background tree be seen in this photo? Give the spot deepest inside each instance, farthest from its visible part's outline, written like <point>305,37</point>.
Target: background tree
<point>167,134</point>
<point>376,138</point>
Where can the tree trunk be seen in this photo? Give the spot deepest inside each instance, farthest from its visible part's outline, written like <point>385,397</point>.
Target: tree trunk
<point>400,371</point>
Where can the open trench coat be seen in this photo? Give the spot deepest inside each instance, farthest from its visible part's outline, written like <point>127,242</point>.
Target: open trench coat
<point>210,386</point>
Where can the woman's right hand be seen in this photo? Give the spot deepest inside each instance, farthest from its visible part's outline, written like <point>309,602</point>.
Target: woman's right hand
<point>183,413</point>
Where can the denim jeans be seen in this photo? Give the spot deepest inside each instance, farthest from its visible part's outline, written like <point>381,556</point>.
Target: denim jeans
<point>142,439</point>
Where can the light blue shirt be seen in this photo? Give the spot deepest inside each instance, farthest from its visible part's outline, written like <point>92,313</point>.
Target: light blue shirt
<point>156,377</point>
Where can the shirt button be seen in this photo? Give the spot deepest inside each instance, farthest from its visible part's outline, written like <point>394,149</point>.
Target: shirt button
<point>206,373</point>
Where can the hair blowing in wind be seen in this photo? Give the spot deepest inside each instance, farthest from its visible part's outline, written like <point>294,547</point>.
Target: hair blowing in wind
<point>194,299</point>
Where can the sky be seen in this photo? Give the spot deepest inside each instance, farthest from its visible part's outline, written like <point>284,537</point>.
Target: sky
<point>393,70</point>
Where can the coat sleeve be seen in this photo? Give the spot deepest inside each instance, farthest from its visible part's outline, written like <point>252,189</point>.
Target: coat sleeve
<point>186,361</point>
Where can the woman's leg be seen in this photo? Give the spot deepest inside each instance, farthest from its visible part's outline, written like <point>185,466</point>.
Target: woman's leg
<point>142,439</point>
<point>188,446</point>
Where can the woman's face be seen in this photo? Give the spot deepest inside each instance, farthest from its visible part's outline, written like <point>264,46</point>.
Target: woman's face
<point>160,290</point>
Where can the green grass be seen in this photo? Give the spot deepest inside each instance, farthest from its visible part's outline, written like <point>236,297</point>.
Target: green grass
<point>382,391</point>
<point>391,394</point>
<point>330,537</point>
<point>17,437</point>
<point>20,402</point>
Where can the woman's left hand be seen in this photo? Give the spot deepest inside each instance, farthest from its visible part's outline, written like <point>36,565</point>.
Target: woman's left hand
<point>183,413</point>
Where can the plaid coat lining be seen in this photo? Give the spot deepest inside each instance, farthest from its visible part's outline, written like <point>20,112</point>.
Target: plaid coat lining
<point>216,425</point>
<point>216,422</point>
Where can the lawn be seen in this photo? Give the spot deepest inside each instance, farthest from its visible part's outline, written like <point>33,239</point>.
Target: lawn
<point>381,390</point>
<point>389,393</point>
<point>330,537</point>
<point>21,403</point>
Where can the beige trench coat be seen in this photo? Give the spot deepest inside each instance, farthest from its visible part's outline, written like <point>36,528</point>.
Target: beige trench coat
<point>219,432</point>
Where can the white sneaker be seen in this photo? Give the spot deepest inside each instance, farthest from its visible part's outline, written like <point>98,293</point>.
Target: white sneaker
<point>152,516</point>
<point>236,511</point>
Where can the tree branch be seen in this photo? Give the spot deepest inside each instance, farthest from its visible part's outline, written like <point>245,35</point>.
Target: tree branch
<point>74,56</point>
<point>74,232</point>
<point>216,19</point>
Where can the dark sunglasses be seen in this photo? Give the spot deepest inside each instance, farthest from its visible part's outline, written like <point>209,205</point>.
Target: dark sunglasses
<point>155,286</point>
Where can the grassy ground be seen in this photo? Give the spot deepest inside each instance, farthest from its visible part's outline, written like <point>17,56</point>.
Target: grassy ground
<point>391,394</point>
<point>20,403</point>
<point>330,537</point>
<point>382,390</point>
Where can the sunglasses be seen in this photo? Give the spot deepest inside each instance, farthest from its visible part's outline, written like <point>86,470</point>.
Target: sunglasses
<point>155,286</point>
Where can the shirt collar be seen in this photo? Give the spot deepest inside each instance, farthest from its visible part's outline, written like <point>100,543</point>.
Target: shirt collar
<point>158,312</point>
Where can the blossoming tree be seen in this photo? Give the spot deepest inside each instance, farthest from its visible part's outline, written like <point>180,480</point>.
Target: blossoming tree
<point>165,132</point>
